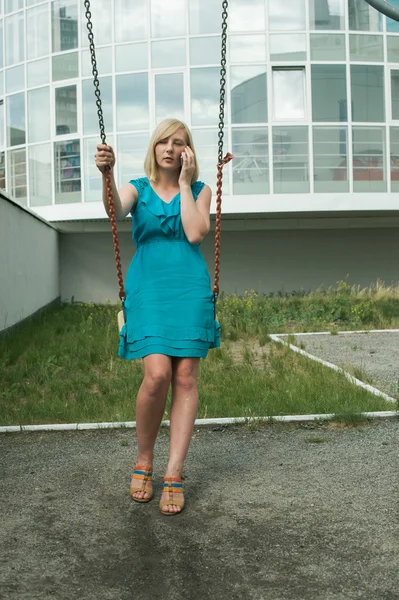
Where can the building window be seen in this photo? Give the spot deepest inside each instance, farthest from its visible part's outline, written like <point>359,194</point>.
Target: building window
<point>16,174</point>
<point>394,135</point>
<point>205,51</point>
<point>251,164</point>
<point>327,46</point>
<point>37,32</point>
<point>65,66</point>
<point>40,175</point>
<point>38,105</point>
<point>90,117</point>
<point>15,79</point>
<point>206,148</point>
<point>243,17</point>
<point>16,120</point>
<point>247,48</point>
<point>169,96</point>
<point>329,102</point>
<point>205,90</point>
<point>369,162</point>
<point>290,160</point>
<point>289,15</point>
<point>330,155</point>
<point>131,57</point>
<point>38,72</point>
<point>362,17</point>
<point>66,117</point>
<point>130,20</point>
<point>132,108</point>
<point>202,16</point>
<point>366,48</point>
<point>248,95</point>
<point>67,172</point>
<point>92,176</point>
<point>2,131</point>
<point>168,19</point>
<point>12,5</point>
<point>131,151</point>
<point>170,53</point>
<point>395,94</point>
<point>327,14</point>
<point>1,45</point>
<point>2,170</point>
<point>288,94</point>
<point>368,98</point>
<point>15,38</point>
<point>288,48</point>
<point>64,14</point>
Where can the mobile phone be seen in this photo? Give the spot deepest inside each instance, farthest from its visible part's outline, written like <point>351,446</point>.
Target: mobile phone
<point>181,161</point>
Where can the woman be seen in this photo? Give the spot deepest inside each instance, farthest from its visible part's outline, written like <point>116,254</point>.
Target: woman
<point>169,306</point>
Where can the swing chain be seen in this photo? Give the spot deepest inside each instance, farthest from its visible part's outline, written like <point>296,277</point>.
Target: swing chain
<point>95,71</point>
<point>221,161</point>
<point>108,184</point>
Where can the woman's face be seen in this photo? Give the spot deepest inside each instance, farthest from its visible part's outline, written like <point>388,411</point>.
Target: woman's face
<point>168,150</point>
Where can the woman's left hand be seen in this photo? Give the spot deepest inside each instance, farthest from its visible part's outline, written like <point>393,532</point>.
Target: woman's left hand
<point>188,166</point>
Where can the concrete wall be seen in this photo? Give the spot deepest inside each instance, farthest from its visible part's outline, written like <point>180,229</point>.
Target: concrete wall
<point>29,263</point>
<point>265,261</point>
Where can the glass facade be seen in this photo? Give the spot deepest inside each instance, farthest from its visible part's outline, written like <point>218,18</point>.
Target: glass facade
<point>312,94</point>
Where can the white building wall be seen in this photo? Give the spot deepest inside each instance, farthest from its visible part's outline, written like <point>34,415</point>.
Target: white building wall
<point>29,263</point>
<point>265,261</point>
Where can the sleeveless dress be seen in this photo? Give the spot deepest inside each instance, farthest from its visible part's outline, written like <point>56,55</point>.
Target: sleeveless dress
<point>169,305</point>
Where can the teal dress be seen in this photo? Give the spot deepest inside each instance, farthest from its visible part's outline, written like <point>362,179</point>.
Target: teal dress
<point>169,304</point>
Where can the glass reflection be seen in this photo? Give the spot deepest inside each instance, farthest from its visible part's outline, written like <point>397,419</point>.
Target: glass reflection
<point>205,51</point>
<point>245,16</point>
<point>205,16</point>
<point>92,176</point>
<point>2,170</point>
<point>251,164</point>
<point>247,48</point>
<point>394,155</point>
<point>327,14</point>
<point>40,175</point>
<point>330,152</point>
<point>369,163</point>
<point>395,94</point>
<point>289,15</point>
<point>329,101</point>
<point>132,111</point>
<point>101,17</point>
<point>168,19</point>
<point>90,118</point>
<point>16,127</point>
<point>368,99</point>
<point>131,57</point>
<point>132,148</point>
<point>15,38</point>
<point>290,160</point>
<point>205,84</point>
<point>65,66</point>
<point>15,79</point>
<point>64,17</point>
<point>66,117</point>
<point>16,175</point>
<point>366,48</point>
<point>37,32</point>
<point>38,72</point>
<point>288,94</point>
<point>288,47</point>
<point>38,111</point>
<point>248,95</point>
<point>327,46</point>
<point>104,61</point>
<point>131,22</point>
<point>206,148</point>
<point>67,172</point>
<point>171,53</point>
<point>362,17</point>
<point>169,96</point>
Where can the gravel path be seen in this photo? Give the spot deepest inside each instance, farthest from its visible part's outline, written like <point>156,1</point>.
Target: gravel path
<point>377,354</point>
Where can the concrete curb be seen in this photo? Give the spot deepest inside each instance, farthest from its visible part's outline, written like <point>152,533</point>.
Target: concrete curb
<point>365,386</point>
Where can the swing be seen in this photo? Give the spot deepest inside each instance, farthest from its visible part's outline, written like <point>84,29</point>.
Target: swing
<point>221,161</point>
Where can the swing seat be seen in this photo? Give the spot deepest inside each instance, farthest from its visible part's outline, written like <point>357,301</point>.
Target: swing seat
<point>121,320</point>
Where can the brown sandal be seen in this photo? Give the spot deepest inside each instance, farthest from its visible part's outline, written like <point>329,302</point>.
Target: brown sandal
<point>144,474</point>
<point>173,486</point>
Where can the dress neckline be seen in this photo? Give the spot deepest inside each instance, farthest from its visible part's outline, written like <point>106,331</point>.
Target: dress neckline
<point>161,199</point>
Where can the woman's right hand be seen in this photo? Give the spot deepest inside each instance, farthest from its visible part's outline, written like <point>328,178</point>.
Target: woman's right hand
<point>105,157</point>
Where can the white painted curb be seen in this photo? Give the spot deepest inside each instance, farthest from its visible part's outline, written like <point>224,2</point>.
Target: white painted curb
<point>365,386</point>
<point>199,422</point>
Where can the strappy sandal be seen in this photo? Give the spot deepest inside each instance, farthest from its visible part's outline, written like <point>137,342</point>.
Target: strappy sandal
<point>173,486</point>
<point>144,474</point>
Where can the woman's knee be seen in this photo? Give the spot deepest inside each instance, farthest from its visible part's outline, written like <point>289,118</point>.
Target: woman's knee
<point>157,374</point>
<point>185,374</point>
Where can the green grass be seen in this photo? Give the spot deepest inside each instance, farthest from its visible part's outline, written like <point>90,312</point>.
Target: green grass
<point>61,366</point>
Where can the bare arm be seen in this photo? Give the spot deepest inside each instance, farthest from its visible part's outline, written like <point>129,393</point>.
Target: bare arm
<point>195,215</point>
<point>126,198</point>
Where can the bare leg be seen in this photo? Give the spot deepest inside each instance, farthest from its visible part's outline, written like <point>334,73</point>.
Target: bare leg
<point>150,407</point>
<point>182,416</point>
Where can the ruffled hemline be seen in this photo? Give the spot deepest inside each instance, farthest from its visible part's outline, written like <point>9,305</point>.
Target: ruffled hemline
<point>194,342</point>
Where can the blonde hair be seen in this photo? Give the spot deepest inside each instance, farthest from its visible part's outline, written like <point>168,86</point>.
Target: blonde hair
<point>163,130</point>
